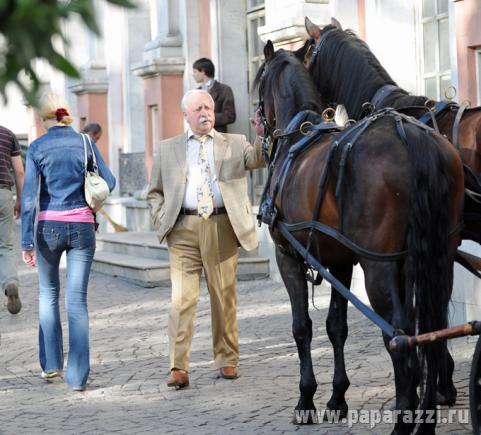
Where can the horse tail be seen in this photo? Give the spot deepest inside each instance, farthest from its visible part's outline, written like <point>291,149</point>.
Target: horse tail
<point>429,270</point>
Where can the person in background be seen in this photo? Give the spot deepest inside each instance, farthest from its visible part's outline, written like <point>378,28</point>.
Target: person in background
<point>222,95</point>
<point>94,130</point>
<point>199,203</point>
<point>10,160</point>
<point>65,224</point>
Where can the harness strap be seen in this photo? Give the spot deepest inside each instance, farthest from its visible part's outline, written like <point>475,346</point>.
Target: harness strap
<point>475,196</point>
<point>382,93</point>
<point>457,121</point>
<point>431,114</point>
<point>366,122</point>
<point>318,47</point>
<point>294,150</point>
<point>322,189</point>
<point>295,126</point>
<point>387,328</point>
<point>336,235</point>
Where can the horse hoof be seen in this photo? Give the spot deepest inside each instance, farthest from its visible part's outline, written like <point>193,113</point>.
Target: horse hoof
<point>339,410</point>
<point>448,399</point>
<point>305,416</point>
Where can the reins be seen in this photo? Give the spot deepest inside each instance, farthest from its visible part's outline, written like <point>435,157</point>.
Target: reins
<point>268,212</point>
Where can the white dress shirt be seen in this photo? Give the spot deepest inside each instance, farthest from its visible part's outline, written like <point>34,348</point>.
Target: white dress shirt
<point>207,85</point>
<point>194,178</point>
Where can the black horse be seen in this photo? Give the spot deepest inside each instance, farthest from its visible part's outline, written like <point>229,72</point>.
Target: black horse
<point>386,194</point>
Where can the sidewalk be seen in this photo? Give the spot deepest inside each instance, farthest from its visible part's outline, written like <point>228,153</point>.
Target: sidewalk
<point>129,356</point>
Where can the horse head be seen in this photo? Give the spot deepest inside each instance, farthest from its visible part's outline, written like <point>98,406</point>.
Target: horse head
<point>343,67</point>
<point>285,88</point>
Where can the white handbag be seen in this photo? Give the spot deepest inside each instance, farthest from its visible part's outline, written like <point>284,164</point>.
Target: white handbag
<point>95,187</point>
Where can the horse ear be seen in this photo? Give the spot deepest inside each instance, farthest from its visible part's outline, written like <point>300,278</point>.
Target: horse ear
<point>304,54</point>
<point>312,29</point>
<point>269,50</point>
<point>308,56</point>
<point>336,23</point>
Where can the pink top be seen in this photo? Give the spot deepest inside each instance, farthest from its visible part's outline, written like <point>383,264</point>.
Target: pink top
<point>82,214</point>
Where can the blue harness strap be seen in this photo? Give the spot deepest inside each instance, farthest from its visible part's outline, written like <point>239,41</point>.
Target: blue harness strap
<point>457,121</point>
<point>387,328</point>
<point>440,107</point>
<point>382,93</point>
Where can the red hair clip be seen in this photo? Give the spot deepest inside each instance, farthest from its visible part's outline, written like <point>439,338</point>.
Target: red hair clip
<point>60,113</point>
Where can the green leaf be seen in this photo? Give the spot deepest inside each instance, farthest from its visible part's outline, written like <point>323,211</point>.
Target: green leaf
<point>28,27</point>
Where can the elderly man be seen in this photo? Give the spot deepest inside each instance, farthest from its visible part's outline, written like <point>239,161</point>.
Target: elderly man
<point>199,202</point>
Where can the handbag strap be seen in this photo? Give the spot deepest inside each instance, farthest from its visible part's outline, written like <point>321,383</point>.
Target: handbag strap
<point>86,138</point>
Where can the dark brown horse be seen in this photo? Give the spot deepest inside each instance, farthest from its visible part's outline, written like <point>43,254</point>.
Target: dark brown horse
<point>347,72</point>
<point>386,194</point>
<point>345,56</point>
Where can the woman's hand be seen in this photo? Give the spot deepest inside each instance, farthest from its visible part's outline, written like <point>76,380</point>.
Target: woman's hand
<point>28,258</point>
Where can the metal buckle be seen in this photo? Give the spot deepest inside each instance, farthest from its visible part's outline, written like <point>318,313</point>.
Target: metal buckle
<point>304,125</point>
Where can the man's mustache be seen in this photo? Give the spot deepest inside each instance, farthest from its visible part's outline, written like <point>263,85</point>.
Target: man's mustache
<point>205,119</point>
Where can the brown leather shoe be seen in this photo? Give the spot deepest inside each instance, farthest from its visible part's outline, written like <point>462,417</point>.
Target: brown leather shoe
<point>14,305</point>
<point>178,379</point>
<point>229,372</point>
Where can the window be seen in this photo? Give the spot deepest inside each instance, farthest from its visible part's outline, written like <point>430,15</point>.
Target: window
<point>154,119</point>
<point>152,128</point>
<point>478,74</point>
<point>436,66</point>
<point>255,52</point>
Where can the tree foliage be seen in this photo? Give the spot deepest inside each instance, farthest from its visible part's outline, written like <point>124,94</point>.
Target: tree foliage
<point>27,31</point>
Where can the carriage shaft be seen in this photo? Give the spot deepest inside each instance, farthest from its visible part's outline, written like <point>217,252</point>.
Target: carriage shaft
<point>402,343</point>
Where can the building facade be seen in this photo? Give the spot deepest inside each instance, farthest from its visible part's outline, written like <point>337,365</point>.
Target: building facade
<point>135,74</point>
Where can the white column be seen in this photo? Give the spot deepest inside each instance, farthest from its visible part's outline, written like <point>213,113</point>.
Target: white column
<point>115,64</point>
<point>137,22</point>
<point>166,39</point>
<point>230,57</point>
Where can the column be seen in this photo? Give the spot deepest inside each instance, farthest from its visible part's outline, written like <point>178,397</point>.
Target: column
<point>162,68</point>
<point>285,20</point>
<point>92,89</point>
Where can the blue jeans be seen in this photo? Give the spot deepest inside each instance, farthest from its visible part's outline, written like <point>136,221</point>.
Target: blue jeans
<point>78,240</point>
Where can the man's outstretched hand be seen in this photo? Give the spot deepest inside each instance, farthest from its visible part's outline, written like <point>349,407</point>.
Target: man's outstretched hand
<point>256,123</point>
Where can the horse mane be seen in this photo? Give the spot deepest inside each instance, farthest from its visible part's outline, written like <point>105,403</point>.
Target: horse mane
<point>299,83</point>
<point>348,71</point>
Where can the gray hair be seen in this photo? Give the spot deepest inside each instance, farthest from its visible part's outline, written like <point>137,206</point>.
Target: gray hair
<point>188,94</point>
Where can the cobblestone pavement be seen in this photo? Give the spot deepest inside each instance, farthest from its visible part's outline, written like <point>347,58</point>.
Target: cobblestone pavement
<point>129,356</point>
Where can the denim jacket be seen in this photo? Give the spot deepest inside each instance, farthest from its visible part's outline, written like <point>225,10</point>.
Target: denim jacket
<point>56,162</point>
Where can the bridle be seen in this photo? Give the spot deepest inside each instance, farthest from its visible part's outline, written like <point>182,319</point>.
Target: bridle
<point>269,131</point>
<point>275,134</point>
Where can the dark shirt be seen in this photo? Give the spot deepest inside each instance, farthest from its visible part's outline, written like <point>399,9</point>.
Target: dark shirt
<point>224,105</point>
<point>8,148</point>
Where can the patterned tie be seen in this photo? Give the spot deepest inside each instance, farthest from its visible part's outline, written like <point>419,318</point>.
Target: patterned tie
<point>205,197</point>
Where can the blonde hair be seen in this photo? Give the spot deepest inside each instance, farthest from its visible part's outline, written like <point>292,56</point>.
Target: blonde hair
<point>53,106</point>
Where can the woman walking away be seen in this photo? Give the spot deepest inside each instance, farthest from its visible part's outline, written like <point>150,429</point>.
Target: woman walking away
<point>65,223</point>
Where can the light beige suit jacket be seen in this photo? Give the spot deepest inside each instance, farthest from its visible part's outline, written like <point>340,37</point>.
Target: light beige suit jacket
<point>233,156</point>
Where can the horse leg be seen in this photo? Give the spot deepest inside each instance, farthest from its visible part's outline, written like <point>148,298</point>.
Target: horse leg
<point>447,392</point>
<point>293,275</point>
<point>383,286</point>
<point>336,326</point>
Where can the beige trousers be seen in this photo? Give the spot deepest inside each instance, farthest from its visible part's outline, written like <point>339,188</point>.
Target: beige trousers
<point>196,244</point>
<point>8,257</point>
